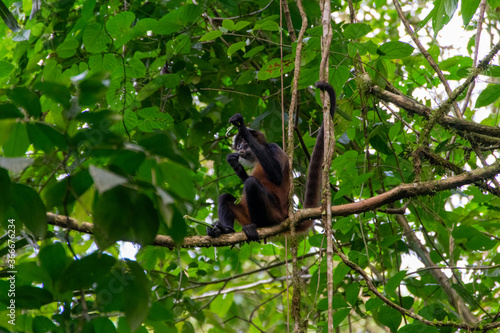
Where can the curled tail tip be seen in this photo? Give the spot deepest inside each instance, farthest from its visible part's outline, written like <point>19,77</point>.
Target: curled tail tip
<point>323,85</point>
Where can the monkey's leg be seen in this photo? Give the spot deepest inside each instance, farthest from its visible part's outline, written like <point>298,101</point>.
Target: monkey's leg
<point>226,213</point>
<point>261,205</point>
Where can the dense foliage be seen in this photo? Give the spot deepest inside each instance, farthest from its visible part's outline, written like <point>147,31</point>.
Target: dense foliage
<point>115,113</point>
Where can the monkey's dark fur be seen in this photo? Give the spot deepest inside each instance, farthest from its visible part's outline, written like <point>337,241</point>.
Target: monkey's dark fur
<point>265,192</point>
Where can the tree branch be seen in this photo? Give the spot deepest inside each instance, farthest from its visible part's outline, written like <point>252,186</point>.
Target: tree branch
<point>402,191</point>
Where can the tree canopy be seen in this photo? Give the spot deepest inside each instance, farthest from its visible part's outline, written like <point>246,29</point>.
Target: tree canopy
<point>114,134</point>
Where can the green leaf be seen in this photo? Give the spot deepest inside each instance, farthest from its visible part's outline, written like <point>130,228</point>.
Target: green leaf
<point>493,71</point>
<point>43,324</point>
<point>179,179</point>
<point>356,30</point>
<point>240,25</point>
<point>267,26</point>
<point>83,273</point>
<point>395,50</point>
<point>56,92</point>
<point>95,38</point>
<point>481,242</point>
<point>29,208</point>
<point>394,282</point>
<point>253,51</point>
<point>235,47</point>
<point>390,318</point>
<point>272,68</point>
<point>18,142</point>
<point>211,35</point>
<point>167,81</point>
<point>53,259</point>
<point>178,19</point>
<point>318,240</point>
<point>468,9</point>
<point>340,273</point>
<point>135,68</point>
<point>228,24</point>
<point>352,292</point>
<point>67,49</point>
<point>26,99</point>
<point>119,25</point>
<point>136,296</point>
<point>373,304</point>
<point>105,180</point>
<point>488,95</point>
<point>124,214</point>
<point>8,110</point>
<point>5,68</point>
<point>153,119</point>
<point>339,316</point>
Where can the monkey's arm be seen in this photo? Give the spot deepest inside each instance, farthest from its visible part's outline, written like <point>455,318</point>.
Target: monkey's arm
<point>232,159</point>
<point>265,154</point>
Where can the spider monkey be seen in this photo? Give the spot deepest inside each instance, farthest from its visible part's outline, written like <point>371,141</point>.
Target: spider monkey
<point>264,201</point>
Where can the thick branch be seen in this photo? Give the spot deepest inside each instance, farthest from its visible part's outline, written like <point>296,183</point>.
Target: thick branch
<point>402,191</point>
<point>490,133</point>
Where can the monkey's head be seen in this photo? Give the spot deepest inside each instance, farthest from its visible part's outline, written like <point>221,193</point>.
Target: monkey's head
<point>247,156</point>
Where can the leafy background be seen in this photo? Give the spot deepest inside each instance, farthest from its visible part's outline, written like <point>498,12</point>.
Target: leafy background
<point>116,113</point>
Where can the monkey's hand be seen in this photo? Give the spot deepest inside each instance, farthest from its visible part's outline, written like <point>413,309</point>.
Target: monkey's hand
<point>250,231</point>
<point>237,120</point>
<point>233,159</point>
<point>219,229</point>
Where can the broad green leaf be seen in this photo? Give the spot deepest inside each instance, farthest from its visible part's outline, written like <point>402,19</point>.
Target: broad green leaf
<point>17,142</point>
<point>356,30</point>
<point>56,92</point>
<point>26,99</point>
<point>105,180</point>
<point>272,69</point>
<point>240,25</point>
<point>339,316</point>
<point>136,296</point>
<point>5,68</point>
<point>318,240</point>
<point>395,50</point>
<point>29,209</point>
<point>43,324</point>
<point>267,26</point>
<point>211,35</point>
<point>254,51</point>
<point>228,24</point>
<point>152,119</point>
<point>468,9</point>
<point>119,25</point>
<point>235,47</point>
<point>135,68</point>
<point>488,95</point>
<point>394,282</point>
<point>67,49</point>
<point>53,259</point>
<point>178,19</point>
<point>493,71</point>
<point>9,111</point>
<point>167,81</point>
<point>83,273</point>
<point>390,318</point>
<point>95,38</point>
<point>352,292</point>
<point>373,304</point>
<point>340,273</point>
<point>179,179</point>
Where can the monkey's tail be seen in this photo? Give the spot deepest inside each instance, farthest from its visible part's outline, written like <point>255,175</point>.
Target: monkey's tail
<point>313,183</point>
